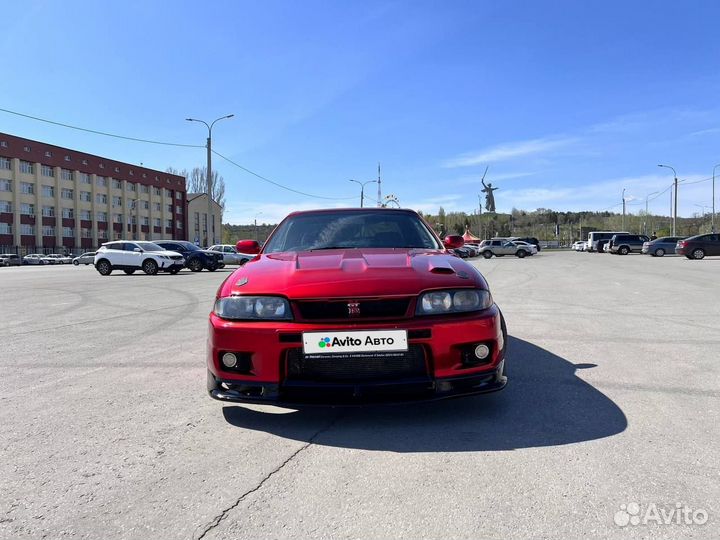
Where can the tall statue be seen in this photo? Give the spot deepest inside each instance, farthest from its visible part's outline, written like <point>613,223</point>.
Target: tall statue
<point>489,197</point>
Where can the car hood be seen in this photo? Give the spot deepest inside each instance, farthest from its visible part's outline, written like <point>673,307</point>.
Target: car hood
<point>351,272</point>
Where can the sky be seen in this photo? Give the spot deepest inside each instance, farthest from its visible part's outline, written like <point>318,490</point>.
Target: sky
<point>566,103</point>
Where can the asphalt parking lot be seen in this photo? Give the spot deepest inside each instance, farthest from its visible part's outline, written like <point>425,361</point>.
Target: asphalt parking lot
<point>613,402</point>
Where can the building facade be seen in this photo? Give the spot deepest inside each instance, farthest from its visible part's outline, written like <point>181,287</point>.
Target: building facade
<point>57,199</point>
<point>198,220</point>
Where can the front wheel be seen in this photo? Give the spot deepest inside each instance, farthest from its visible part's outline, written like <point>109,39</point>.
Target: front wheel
<point>174,270</point>
<point>659,252</point>
<point>698,254</point>
<point>487,254</point>
<point>104,267</point>
<point>76,263</point>
<point>521,253</point>
<point>150,267</point>
<point>623,250</point>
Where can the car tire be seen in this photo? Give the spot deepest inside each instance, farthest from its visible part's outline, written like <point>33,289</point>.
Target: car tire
<point>487,254</point>
<point>174,271</point>
<point>698,254</point>
<point>104,267</point>
<point>195,265</point>
<point>659,252</point>
<point>129,271</point>
<point>624,250</point>
<point>212,268</point>
<point>76,263</point>
<point>150,267</point>
<point>521,253</point>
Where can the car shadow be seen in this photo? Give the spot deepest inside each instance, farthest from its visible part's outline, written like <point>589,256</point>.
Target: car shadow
<point>544,404</point>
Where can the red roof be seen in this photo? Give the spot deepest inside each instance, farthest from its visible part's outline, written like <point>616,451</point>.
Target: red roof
<point>469,237</point>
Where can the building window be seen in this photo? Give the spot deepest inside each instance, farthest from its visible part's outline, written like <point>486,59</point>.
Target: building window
<point>67,174</point>
<point>131,186</point>
<point>156,222</point>
<point>168,223</point>
<point>5,228</point>
<point>84,161</point>
<point>5,207</point>
<point>67,158</point>
<point>68,232</point>
<point>26,148</point>
<point>48,191</point>
<point>101,165</point>
<point>117,184</point>
<point>27,188</point>
<point>145,221</point>
<point>27,230</point>
<point>26,167</point>
<point>156,206</point>
<point>131,173</point>
<point>178,210</point>
<point>101,216</point>
<point>3,144</point>
<point>117,218</point>
<point>85,233</point>
<point>102,234</point>
<point>48,230</point>
<point>48,211</point>
<point>84,177</point>
<point>101,181</point>
<point>117,201</point>
<point>5,163</point>
<point>48,154</point>
<point>178,224</point>
<point>85,196</point>
<point>117,169</point>
<point>5,185</point>
<point>168,193</point>
<point>178,195</point>
<point>68,213</point>
<point>86,215</point>
<point>157,191</point>
<point>67,193</point>
<point>169,208</point>
<point>46,170</point>
<point>144,175</point>
<point>101,198</point>
<point>144,189</point>
<point>27,209</point>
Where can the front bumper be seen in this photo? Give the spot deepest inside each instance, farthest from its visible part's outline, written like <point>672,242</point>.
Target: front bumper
<point>401,391</point>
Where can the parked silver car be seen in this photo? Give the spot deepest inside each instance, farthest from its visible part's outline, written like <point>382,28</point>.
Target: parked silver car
<point>230,254</point>
<point>60,259</point>
<point>501,247</point>
<point>85,258</point>
<point>10,259</point>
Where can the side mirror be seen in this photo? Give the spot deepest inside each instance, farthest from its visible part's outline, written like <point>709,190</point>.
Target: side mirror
<point>453,241</point>
<point>137,250</point>
<point>251,247</point>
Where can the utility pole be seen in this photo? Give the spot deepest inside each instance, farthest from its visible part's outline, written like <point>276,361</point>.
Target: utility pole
<point>379,187</point>
<point>210,239</point>
<point>713,201</point>
<point>674,209</point>
<point>623,201</point>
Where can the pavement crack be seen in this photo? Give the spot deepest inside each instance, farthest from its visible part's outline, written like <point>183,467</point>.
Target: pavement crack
<point>224,514</point>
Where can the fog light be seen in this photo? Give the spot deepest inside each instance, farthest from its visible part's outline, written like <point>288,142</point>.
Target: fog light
<point>482,351</point>
<point>229,360</point>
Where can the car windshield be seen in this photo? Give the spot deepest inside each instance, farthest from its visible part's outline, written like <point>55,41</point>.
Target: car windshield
<point>149,246</point>
<point>189,246</point>
<point>355,229</point>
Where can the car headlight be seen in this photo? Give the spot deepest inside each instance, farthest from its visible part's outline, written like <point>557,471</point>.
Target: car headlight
<point>458,301</point>
<point>253,307</point>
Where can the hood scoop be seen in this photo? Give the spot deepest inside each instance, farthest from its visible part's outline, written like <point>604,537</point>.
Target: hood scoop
<point>442,270</point>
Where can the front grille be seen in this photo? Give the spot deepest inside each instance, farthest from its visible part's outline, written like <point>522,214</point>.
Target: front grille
<point>357,367</point>
<point>350,309</point>
<point>176,257</point>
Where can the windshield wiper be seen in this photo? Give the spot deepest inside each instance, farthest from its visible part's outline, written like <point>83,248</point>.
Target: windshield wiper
<point>332,247</point>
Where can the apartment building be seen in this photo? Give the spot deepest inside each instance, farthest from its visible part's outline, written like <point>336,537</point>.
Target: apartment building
<point>58,199</point>
<point>198,231</point>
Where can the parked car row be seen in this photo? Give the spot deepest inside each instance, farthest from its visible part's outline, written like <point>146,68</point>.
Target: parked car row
<point>622,243</point>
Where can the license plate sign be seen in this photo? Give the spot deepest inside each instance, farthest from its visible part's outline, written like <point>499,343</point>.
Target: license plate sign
<point>354,342</point>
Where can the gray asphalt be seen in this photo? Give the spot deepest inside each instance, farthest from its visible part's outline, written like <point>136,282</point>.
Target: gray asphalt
<point>107,431</point>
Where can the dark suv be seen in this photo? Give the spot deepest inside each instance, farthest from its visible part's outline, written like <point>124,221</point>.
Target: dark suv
<point>195,258</point>
<point>697,247</point>
<point>623,244</point>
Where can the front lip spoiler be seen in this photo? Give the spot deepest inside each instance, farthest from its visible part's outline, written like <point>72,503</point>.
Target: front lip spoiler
<point>385,393</point>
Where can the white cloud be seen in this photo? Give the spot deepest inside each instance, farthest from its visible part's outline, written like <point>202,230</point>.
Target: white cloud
<point>508,151</point>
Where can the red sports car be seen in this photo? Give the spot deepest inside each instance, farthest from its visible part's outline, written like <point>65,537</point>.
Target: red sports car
<point>352,306</point>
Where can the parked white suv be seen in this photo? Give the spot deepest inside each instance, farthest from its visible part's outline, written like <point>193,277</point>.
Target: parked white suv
<point>130,255</point>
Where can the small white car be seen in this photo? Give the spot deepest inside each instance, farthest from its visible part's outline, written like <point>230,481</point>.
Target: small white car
<point>531,247</point>
<point>231,255</point>
<point>579,246</point>
<point>131,255</point>
<point>60,259</point>
<point>85,258</point>
<point>37,258</point>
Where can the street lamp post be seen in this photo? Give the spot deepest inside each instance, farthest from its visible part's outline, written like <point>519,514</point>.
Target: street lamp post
<point>623,201</point>
<point>209,171</point>
<point>362,189</point>
<point>256,230</point>
<point>647,198</point>
<point>713,201</point>
<point>674,216</point>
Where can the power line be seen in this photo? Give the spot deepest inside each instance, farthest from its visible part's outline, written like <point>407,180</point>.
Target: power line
<point>96,132</point>
<point>261,177</point>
